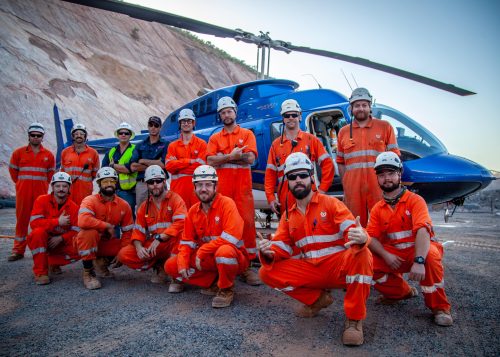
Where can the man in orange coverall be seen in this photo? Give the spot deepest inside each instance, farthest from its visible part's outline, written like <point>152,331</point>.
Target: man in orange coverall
<point>54,225</point>
<point>211,251</point>
<point>358,145</point>
<point>293,140</point>
<point>232,151</point>
<point>403,241</point>
<point>184,156</point>
<point>158,227</point>
<point>333,249</point>
<point>81,162</point>
<point>31,167</point>
<point>100,218</point>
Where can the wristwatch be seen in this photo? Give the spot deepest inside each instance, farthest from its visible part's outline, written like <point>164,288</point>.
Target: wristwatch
<point>419,260</point>
<point>158,238</point>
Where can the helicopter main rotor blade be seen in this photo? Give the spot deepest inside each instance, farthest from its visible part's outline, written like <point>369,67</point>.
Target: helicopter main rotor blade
<point>148,14</point>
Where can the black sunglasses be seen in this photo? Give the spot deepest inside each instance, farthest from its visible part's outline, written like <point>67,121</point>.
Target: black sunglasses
<point>36,135</point>
<point>153,181</point>
<point>156,125</point>
<point>123,133</point>
<point>293,177</point>
<point>293,115</point>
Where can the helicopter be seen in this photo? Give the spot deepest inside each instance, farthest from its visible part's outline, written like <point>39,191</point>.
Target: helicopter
<point>429,169</point>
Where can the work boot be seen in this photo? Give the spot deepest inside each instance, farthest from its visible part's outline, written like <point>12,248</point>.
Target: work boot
<point>324,300</point>
<point>15,256</point>
<point>176,287</point>
<point>159,275</point>
<point>250,277</point>
<point>90,281</point>
<point>42,279</point>
<point>382,300</point>
<point>443,318</point>
<point>101,266</point>
<point>224,298</point>
<point>353,333</point>
<point>211,290</point>
<point>55,269</point>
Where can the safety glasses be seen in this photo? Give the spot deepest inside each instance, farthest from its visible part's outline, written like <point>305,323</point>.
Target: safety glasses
<point>108,181</point>
<point>156,125</point>
<point>291,115</point>
<point>301,175</point>
<point>154,181</point>
<point>124,133</point>
<point>36,135</point>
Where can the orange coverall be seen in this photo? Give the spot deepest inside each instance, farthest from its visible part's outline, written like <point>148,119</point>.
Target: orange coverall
<point>169,219</point>
<point>44,224</point>
<point>215,238</point>
<point>324,262</point>
<point>73,163</point>
<point>178,163</point>
<point>309,145</point>
<point>361,189</point>
<point>93,215</point>
<point>235,181</point>
<point>32,174</point>
<point>396,228</point>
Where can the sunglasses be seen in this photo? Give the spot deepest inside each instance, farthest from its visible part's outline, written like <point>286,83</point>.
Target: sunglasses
<point>124,133</point>
<point>108,181</point>
<point>154,181</point>
<point>36,135</point>
<point>156,125</point>
<point>293,177</point>
<point>293,115</point>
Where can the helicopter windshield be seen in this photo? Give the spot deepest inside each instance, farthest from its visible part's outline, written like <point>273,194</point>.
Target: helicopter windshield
<point>414,140</point>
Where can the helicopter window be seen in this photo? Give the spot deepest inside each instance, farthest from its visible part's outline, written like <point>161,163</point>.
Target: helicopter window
<point>209,104</point>
<point>203,109</point>
<point>276,128</point>
<point>195,109</point>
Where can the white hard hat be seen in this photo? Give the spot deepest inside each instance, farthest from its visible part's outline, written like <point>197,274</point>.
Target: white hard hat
<point>38,127</point>
<point>79,126</point>
<point>126,126</point>
<point>61,177</point>
<point>186,114</point>
<point>154,172</point>
<point>360,94</point>
<point>226,102</point>
<point>205,173</point>
<point>290,105</point>
<point>297,161</point>
<point>388,160</point>
<point>106,172</point>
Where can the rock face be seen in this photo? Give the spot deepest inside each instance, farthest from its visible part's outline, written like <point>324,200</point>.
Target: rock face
<point>100,68</point>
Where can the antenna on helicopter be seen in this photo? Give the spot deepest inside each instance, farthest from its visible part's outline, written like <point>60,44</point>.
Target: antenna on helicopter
<point>348,83</point>
<point>309,74</point>
<point>354,79</point>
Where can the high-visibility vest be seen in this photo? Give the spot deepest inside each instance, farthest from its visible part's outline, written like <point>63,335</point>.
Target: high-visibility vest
<point>127,181</point>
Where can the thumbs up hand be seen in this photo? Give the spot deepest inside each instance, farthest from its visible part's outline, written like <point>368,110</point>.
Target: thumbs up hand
<point>356,235</point>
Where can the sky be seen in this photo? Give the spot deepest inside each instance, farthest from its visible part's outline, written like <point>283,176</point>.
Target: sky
<point>453,41</point>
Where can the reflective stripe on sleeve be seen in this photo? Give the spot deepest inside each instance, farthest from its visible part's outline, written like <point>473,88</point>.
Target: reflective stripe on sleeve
<point>323,157</point>
<point>32,218</point>
<point>231,239</point>
<point>140,228</point>
<point>344,225</point>
<point>392,146</point>
<point>86,210</point>
<point>283,246</point>
<point>191,244</point>
<point>127,228</point>
<point>271,167</point>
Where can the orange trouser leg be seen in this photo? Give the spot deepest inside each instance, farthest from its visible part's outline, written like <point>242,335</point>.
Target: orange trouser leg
<point>304,281</point>
<point>109,247</point>
<point>244,203</point>
<point>361,192</point>
<point>128,256</point>
<point>203,278</point>
<point>229,262</point>
<point>183,186</point>
<point>24,205</point>
<point>86,242</point>
<point>433,284</point>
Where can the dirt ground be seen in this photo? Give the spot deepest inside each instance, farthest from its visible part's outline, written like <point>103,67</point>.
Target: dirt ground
<point>131,316</point>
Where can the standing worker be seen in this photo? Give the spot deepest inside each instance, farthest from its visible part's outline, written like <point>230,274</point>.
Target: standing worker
<point>31,168</point>
<point>100,218</point>
<point>54,225</point>
<point>184,156</point>
<point>150,151</point>
<point>81,162</point>
<point>211,252</point>
<point>293,140</point>
<point>158,227</point>
<point>232,151</point>
<point>358,146</point>
<point>403,241</point>
<point>333,247</point>
<point>120,159</point>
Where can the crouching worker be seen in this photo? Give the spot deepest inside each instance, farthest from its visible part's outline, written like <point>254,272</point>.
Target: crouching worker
<point>100,218</point>
<point>53,226</point>
<point>403,241</point>
<point>211,251</point>
<point>331,249</point>
<point>158,227</point>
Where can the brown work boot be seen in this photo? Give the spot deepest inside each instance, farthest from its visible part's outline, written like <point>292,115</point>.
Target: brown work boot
<point>250,277</point>
<point>55,269</point>
<point>224,298</point>
<point>42,279</point>
<point>90,281</point>
<point>353,333</point>
<point>15,256</point>
<point>324,300</point>
<point>159,275</point>
<point>101,267</point>
<point>382,300</point>
<point>443,318</point>
<point>211,290</point>
<point>176,287</point>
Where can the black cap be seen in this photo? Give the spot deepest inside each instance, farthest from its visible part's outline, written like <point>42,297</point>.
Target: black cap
<point>154,119</point>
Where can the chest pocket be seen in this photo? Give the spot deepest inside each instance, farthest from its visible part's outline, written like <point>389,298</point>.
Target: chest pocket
<point>348,145</point>
<point>377,143</point>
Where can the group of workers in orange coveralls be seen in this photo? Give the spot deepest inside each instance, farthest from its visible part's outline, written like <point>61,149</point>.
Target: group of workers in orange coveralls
<point>202,232</point>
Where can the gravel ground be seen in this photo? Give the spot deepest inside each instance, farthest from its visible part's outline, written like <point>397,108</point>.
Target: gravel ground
<point>130,316</point>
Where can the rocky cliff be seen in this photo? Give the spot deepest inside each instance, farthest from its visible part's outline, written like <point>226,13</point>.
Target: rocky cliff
<point>99,67</point>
